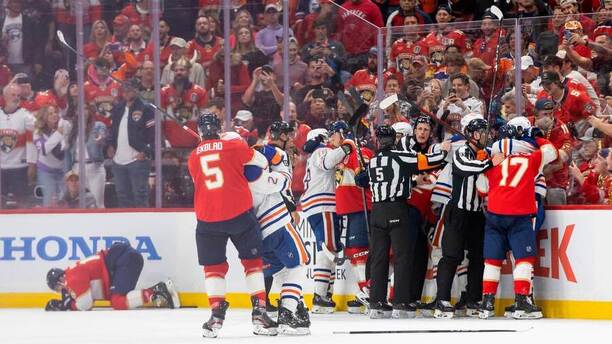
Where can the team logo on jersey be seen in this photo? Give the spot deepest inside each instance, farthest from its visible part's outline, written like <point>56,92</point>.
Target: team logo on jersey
<point>7,141</point>
<point>136,116</point>
<point>194,97</point>
<point>588,108</point>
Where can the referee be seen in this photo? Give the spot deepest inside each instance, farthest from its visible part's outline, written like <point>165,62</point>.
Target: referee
<point>392,221</point>
<point>464,221</point>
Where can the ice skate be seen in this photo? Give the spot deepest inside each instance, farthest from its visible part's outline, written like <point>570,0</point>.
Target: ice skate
<point>354,307</point>
<point>444,310</point>
<point>213,325</point>
<point>302,314</point>
<point>272,310</point>
<point>487,307</point>
<point>262,324</point>
<point>322,306</point>
<point>509,310</point>
<point>525,309</point>
<point>466,308</point>
<point>427,309</point>
<point>165,295</point>
<point>290,324</point>
<point>403,311</point>
<point>380,310</point>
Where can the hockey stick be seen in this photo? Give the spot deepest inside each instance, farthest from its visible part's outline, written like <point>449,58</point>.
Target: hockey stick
<point>431,331</point>
<point>62,40</point>
<point>498,13</point>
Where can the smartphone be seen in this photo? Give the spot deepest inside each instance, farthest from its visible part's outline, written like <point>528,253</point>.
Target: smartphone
<point>567,35</point>
<point>114,47</point>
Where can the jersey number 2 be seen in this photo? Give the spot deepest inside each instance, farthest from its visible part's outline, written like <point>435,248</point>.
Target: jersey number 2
<point>214,175</point>
<point>513,161</point>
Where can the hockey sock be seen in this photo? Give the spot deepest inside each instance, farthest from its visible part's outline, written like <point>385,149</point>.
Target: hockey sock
<point>491,275</point>
<point>522,275</point>
<point>291,289</point>
<point>358,257</point>
<point>322,273</point>
<point>214,281</point>
<point>332,280</point>
<point>253,269</point>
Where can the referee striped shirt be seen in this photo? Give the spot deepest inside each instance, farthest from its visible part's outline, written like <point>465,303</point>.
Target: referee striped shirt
<point>390,172</point>
<point>466,169</point>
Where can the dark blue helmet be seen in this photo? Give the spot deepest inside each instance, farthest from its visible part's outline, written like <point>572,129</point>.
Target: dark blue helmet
<point>279,127</point>
<point>475,125</point>
<point>338,127</point>
<point>507,132</point>
<point>209,125</point>
<point>53,277</point>
<point>385,134</point>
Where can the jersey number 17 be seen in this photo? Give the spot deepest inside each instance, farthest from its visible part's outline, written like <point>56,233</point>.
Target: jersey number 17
<point>523,164</point>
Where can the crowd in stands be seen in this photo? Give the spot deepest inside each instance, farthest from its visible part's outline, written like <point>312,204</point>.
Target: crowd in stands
<point>440,57</point>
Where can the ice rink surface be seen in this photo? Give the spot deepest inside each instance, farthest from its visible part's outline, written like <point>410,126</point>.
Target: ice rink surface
<point>184,326</point>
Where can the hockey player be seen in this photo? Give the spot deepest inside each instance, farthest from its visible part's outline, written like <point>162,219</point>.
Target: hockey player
<point>285,255</point>
<point>217,169</point>
<point>511,206</point>
<point>350,204</point>
<point>319,205</point>
<point>464,221</point>
<point>112,275</point>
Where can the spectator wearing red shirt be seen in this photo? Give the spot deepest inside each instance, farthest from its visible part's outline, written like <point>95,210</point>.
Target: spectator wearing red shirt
<point>137,44</point>
<point>484,48</point>
<point>99,38</point>
<point>139,14</point>
<point>594,186</point>
<point>407,8</point>
<point>121,27</point>
<point>354,33</point>
<point>101,89</point>
<point>572,105</point>
<point>239,82</point>
<point>364,80</point>
<point>204,42</point>
<point>570,8</point>
<point>556,173</point>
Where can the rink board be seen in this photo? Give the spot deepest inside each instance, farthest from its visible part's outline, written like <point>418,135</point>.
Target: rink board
<point>572,279</point>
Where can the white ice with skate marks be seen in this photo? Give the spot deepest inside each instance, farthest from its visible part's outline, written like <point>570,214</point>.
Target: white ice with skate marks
<point>24,326</point>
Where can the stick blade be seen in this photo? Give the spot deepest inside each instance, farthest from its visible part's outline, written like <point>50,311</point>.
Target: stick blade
<point>497,12</point>
<point>60,37</point>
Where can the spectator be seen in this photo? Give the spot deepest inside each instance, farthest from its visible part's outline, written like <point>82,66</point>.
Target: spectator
<point>568,70</point>
<point>99,38</point>
<point>594,186</point>
<point>455,63</point>
<point>573,103</point>
<point>121,28</point>
<point>266,38</point>
<point>139,14</point>
<point>205,42</point>
<point>137,44</point>
<point>297,68</point>
<point>571,10</point>
<point>407,8</point>
<point>317,76</point>
<point>26,94</point>
<point>184,100</point>
<point>243,20</point>
<point>147,81</point>
<point>65,19</point>
<point>95,139</point>
<point>239,74</point>
<point>51,140</point>
<point>58,95</point>
<point>245,126</point>
<point>364,80</point>
<point>556,173</point>
<point>24,47</point>
<point>460,97</point>
<point>251,56</point>
<point>324,46</point>
<point>431,96</point>
<point>486,46</point>
<point>71,196</point>
<point>17,153</point>
<point>165,39</point>
<point>263,98</point>
<point>480,73</point>
<point>101,89</point>
<point>317,111</point>
<point>131,142</point>
<point>178,49</point>
<point>356,36</point>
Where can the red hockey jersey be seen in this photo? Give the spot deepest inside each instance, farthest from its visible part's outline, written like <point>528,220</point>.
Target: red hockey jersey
<point>217,169</point>
<point>87,281</point>
<point>348,195</point>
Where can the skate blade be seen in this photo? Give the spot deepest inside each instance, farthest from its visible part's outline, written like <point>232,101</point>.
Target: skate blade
<point>210,333</point>
<point>509,315</point>
<point>397,314</point>
<point>460,313</point>
<point>486,314</point>
<point>522,315</point>
<point>472,313</point>
<point>443,315</point>
<point>293,331</point>
<point>176,302</point>
<point>322,310</point>
<point>378,314</point>
<point>355,310</point>
<point>260,330</point>
<point>426,313</point>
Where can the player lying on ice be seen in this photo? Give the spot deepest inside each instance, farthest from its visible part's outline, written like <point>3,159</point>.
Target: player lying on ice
<point>109,275</point>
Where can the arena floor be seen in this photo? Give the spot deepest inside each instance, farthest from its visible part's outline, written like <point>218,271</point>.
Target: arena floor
<point>183,326</point>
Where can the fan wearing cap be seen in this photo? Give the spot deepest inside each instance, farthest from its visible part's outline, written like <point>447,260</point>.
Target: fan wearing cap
<point>178,51</point>
<point>139,14</point>
<point>121,27</point>
<point>26,94</point>
<point>571,104</point>
<point>485,47</point>
<point>364,80</point>
<point>205,42</point>
<point>184,100</point>
<point>571,9</point>
<point>265,39</point>
<point>71,196</point>
<point>554,130</point>
<point>101,89</point>
<point>570,42</point>
<point>131,140</point>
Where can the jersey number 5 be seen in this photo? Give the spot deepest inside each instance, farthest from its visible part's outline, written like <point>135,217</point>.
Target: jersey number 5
<point>513,161</point>
<point>214,175</point>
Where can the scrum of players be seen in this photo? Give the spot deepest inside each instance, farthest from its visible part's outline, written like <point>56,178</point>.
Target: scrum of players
<point>262,227</point>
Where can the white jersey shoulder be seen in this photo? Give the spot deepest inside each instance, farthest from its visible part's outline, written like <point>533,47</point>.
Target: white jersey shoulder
<point>320,180</point>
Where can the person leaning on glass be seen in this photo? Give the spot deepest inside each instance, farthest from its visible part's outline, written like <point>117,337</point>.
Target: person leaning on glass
<point>51,140</point>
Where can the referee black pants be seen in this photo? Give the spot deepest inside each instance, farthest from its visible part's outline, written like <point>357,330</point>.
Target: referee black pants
<point>462,230</point>
<point>393,225</point>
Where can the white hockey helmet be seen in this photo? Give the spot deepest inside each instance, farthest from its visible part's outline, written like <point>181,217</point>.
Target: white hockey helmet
<point>316,132</point>
<point>521,123</point>
<point>230,135</point>
<point>403,128</point>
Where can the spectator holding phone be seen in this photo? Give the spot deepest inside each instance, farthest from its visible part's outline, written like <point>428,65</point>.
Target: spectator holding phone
<point>263,98</point>
<point>100,37</point>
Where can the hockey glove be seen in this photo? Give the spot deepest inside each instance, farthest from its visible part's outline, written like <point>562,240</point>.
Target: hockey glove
<point>362,179</point>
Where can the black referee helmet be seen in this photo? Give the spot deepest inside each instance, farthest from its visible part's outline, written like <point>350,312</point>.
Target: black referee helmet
<point>385,135</point>
<point>477,124</point>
